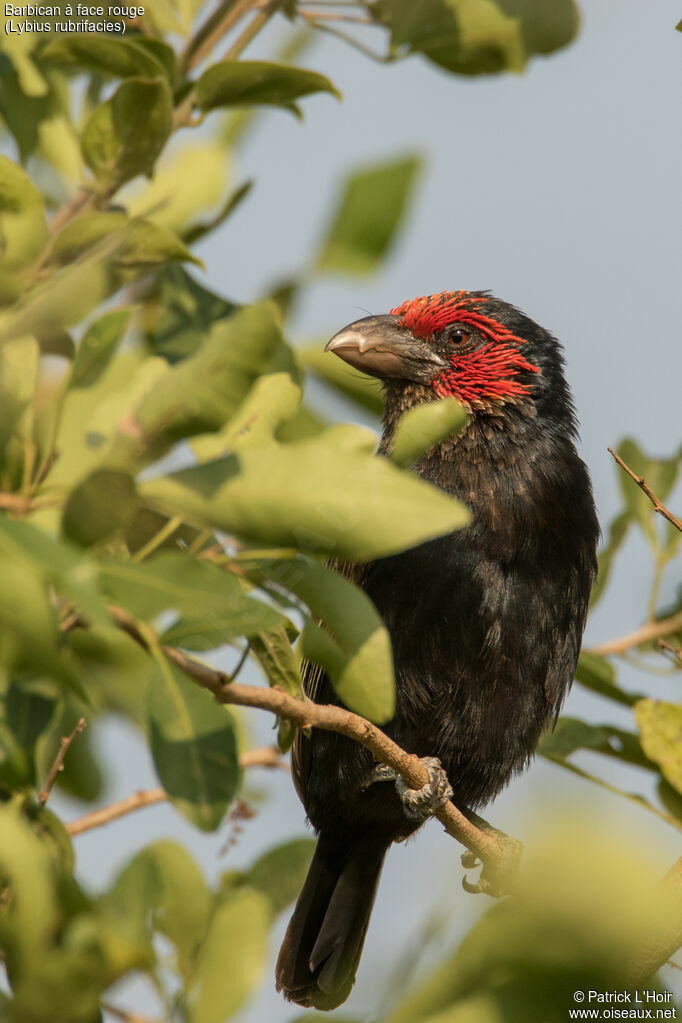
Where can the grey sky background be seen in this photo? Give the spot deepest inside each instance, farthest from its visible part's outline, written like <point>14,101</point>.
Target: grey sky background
<point>560,191</point>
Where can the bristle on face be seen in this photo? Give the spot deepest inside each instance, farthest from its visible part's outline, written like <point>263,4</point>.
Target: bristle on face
<point>430,313</point>
<point>481,378</point>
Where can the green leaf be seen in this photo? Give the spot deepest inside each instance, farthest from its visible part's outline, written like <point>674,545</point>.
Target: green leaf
<point>97,347</point>
<point>201,633</point>
<point>24,716</point>
<point>201,393</point>
<point>126,134</point>
<point>363,389</point>
<point>58,562</point>
<point>165,890</point>
<point>193,744</point>
<point>474,37</point>
<point>104,503</point>
<point>571,734</point>
<point>328,494</point>
<point>660,728</point>
<point>196,231</point>
<point>279,874</point>
<point>272,650</point>
<point>546,28</point>
<point>422,428</point>
<point>28,628</point>
<point>82,234</point>
<point>19,373</point>
<point>122,58</point>
<point>599,675</point>
<point>146,244</point>
<point>116,667</point>
<point>371,209</point>
<point>255,82</point>
<point>186,314</point>
<point>196,588</point>
<point>31,914</point>
<point>55,562</point>
<point>354,647</point>
<point>23,114</point>
<point>272,401</point>
<point>486,41</point>
<point>23,230</point>
<point>232,958</point>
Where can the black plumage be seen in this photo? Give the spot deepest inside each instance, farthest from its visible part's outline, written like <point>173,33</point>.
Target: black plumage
<point>485,623</point>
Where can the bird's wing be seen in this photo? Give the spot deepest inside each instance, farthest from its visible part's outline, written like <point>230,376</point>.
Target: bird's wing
<point>318,688</point>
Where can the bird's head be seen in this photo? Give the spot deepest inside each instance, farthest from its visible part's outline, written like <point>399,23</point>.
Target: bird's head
<point>464,344</point>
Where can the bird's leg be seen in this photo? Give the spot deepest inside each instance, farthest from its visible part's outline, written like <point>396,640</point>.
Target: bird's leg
<point>418,804</point>
<point>496,879</point>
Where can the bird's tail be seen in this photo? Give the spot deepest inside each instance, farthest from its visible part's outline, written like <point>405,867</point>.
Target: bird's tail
<point>321,949</point>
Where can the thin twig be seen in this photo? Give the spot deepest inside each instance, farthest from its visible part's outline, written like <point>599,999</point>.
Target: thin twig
<point>268,756</point>
<point>224,18</point>
<point>252,30</point>
<point>499,858</point>
<point>58,764</point>
<point>676,651</point>
<point>379,58</point>
<point>352,19</point>
<point>21,504</point>
<point>645,634</point>
<point>83,198</point>
<point>642,484</point>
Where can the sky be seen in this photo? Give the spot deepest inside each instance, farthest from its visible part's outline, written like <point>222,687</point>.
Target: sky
<point>559,190</point>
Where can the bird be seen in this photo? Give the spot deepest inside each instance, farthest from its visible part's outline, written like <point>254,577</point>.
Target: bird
<point>485,623</point>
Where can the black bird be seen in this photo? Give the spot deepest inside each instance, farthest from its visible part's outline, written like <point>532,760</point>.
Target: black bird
<point>485,623</point>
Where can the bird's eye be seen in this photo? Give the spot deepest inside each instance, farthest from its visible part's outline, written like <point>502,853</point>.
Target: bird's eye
<point>458,336</point>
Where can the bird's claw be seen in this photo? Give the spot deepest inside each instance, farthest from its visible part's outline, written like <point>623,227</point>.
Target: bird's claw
<point>418,804</point>
<point>470,860</point>
<point>498,876</point>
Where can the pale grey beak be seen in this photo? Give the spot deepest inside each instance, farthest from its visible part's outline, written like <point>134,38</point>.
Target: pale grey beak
<point>382,347</point>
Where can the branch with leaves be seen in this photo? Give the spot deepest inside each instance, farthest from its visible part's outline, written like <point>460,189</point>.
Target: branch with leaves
<point>498,853</point>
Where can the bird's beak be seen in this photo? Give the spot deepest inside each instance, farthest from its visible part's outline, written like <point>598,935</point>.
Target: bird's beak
<point>382,346</point>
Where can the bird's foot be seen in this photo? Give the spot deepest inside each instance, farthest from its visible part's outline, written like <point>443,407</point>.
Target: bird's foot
<point>418,804</point>
<point>498,876</point>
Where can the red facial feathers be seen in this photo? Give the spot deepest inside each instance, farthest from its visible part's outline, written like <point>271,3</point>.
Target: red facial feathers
<point>480,376</point>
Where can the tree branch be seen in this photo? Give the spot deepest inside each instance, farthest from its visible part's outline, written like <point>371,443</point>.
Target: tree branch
<point>268,756</point>
<point>642,484</point>
<point>498,854</point>
<point>645,634</point>
<point>58,764</point>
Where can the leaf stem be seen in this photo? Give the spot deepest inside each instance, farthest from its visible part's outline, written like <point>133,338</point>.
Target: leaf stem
<point>166,530</point>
